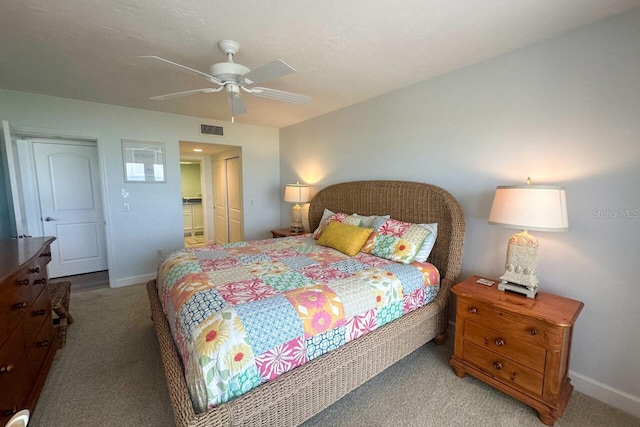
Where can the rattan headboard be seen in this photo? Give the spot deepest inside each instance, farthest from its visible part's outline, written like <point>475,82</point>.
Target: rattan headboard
<point>405,201</point>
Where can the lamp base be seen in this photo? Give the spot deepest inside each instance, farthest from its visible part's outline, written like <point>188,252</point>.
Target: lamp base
<point>296,219</point>
<point>522,259</point>
<point>529,291</point>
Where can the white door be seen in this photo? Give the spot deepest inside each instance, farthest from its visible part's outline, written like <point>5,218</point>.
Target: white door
<point>220,227</point>
<point>234,199</point>
<point>227,196</point>
<point>71,207</point>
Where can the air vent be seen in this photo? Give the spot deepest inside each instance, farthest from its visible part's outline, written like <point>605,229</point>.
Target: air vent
<point>211,130</point>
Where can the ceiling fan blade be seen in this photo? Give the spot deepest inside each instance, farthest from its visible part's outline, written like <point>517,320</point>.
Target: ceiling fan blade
<point>236,104</point>
<point>270,71</point>
<point>185,93</point>
<point>184,68</point>
<point>280,95</point>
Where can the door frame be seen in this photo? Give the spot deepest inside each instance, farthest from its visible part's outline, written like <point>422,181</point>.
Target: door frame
<point>205,174</point>
<point>26,132</point>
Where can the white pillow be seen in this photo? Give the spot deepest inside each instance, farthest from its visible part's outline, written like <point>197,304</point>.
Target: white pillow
<point>323,221</point>
<point>427,244</point>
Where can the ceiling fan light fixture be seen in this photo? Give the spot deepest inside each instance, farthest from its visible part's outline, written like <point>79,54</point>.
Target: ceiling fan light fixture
<point>232,89</point>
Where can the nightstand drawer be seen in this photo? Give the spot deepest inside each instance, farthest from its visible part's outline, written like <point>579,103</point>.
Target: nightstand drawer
<point>525,328</point>
<point>501,367</point>
<point>506,345</point>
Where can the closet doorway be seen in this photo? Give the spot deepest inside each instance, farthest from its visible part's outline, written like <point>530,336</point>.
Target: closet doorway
<point>218,195</point>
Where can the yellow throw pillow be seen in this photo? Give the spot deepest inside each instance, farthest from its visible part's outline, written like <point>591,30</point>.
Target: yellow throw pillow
<point>345,238</point>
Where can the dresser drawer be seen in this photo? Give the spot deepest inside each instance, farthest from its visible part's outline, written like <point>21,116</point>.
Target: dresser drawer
<point>37,277</point>
<point>506,345</point>
<point>40,345</point>
<point>525,328</point>
<point>45,256</point>
<point>501,367</point>
<point>14,375</point>
<point>15,299</point>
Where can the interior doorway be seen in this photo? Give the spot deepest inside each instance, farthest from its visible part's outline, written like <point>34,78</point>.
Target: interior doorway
<point>199,212</point>
<point>56,189</point>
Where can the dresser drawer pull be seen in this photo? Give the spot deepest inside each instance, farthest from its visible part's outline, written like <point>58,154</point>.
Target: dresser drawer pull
<point>6,369</point>
<point>473,310</point>
<point>35,270</point>
<point>47,254</point>
<point>20,305</point>
<point>39,313</point>
<point>40,281</point>
<point>44,343</point>
<point>497,365</point>
<point>10,412</point>
<point>532,331</point>
<point>499,342</point>
<point>24,282</point>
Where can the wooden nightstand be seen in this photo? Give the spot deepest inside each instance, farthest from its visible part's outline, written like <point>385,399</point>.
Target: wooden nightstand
<point>518,345</point>
<point>286,232</point>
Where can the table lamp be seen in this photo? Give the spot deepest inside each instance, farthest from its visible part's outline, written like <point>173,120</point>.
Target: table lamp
<point>527,207</point>
<point>296,193</point>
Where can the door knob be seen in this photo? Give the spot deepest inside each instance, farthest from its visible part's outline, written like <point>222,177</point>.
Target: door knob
<point>49,219</point>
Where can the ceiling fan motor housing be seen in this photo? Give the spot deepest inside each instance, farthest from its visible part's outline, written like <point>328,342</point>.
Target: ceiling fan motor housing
<point>228,71</point>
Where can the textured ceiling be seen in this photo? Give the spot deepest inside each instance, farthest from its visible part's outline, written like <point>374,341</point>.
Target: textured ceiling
<point>344,51</point>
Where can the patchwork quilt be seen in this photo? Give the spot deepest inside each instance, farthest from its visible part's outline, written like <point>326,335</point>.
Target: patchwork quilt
<point>244,313</point>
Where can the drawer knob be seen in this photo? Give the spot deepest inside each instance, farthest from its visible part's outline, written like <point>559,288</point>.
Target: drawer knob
<point>473,310</point>
<point>35,270</point>
<point>38,313</point>
<point>532,331</point>
<point>44,343</point>
<point>24,282</point>
<point>499,342</point>
<point>6,369</point>
<point>45,254</point>
<point>497,365</point>
<point>39,281</point>
<point>21,305</point>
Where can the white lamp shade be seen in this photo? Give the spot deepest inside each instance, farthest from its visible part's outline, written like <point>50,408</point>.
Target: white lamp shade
<point>296,193</point>
<point>530,207</point>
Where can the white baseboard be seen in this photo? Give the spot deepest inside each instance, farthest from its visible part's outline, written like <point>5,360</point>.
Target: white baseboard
<point>611,396</point>
<point>133,280</point>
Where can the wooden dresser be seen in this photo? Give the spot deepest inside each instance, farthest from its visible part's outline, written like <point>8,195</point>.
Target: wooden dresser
<point>517,344</point>
<point>27,338</point>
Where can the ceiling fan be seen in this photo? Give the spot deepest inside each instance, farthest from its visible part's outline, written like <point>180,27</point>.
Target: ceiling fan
<point>235,77</point>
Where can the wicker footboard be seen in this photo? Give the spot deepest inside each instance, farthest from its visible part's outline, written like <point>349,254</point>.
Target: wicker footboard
<point>303,392</point>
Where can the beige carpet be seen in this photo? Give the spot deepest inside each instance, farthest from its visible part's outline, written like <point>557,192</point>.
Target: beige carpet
<point>110,374</point>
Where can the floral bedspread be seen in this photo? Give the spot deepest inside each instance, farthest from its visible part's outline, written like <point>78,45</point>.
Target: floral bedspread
<point>245,313</point>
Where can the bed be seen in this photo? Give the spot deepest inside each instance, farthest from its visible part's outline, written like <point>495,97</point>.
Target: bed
<point>302,392</point>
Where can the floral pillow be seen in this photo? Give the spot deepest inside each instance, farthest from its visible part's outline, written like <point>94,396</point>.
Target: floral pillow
<point>396,241</point>
<point>429,241</point>
<point>328,216</point>
<point>373,221</point>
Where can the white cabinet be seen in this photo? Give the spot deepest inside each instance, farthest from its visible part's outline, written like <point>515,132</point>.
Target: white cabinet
<point>192,219</point>
<point>198,224</point>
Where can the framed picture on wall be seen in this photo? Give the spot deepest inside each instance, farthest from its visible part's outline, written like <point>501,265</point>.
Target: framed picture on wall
<point>144,161</point>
